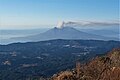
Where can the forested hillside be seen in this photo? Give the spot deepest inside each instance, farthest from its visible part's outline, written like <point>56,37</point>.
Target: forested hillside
<point>19,61</point>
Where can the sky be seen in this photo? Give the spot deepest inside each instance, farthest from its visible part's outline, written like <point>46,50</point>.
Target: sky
<point>25,14</point>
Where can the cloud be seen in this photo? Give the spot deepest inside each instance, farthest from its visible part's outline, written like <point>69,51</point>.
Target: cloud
<point>92,23</point>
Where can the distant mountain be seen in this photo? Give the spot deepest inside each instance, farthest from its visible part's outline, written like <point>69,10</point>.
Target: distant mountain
<point>62,33</point>
<point>65,30</point>
<point>103,32</point>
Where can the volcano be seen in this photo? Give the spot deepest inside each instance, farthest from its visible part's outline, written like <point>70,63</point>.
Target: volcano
<point>61,33</point>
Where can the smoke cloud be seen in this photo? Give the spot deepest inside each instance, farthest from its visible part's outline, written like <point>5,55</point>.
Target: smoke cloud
<point>88,23</point>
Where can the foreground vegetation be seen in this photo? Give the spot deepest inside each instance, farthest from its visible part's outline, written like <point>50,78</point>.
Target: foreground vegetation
<point>101,68</point>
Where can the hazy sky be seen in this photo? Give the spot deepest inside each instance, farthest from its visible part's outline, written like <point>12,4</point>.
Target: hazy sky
<point>20,14</point>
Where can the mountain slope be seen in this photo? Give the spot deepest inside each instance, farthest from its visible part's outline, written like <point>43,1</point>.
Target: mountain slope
<point>101,68</point>
<point>62,33</point>
<point>103,32</point>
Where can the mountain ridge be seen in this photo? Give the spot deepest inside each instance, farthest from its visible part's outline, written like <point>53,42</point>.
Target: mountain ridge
<point>105,67</point>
